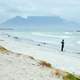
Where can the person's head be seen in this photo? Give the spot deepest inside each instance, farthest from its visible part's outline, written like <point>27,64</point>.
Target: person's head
<point>63,40</point>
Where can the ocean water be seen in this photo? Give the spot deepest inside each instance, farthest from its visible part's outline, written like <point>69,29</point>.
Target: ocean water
<point>71,39</point>
<point>53,38</point>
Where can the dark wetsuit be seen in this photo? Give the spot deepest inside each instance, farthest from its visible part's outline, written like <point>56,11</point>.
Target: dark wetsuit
<point>62,45</point>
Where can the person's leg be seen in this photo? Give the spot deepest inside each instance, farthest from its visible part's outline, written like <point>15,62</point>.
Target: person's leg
<point>62,48</point>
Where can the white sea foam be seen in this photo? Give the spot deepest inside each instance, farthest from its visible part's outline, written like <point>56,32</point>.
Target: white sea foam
<point>49,35</point>
<point>78,42</point>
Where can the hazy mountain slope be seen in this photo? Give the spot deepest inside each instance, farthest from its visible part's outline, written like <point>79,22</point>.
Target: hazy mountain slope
<point>40,23</point>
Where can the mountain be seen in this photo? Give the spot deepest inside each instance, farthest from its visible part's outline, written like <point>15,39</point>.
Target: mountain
<point>33,20</point>
<point>40,23</point>
<point>16,21</point>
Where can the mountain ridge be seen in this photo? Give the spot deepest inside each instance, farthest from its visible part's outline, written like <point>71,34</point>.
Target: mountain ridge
<point>40,22</point>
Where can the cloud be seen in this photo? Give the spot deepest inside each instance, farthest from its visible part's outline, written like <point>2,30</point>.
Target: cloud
<point>68,9</point>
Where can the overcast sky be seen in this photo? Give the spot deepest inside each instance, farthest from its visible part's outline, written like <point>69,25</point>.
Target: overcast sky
<point>69,9</point>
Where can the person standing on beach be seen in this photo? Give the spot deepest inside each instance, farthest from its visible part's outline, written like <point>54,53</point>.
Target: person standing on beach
<point>62,45</point>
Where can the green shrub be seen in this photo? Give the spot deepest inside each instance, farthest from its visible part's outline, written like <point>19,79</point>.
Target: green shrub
<point>70,77</point>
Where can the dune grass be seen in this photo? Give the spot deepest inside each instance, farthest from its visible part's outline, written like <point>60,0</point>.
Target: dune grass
<point>45,64</point>
<point>70,77</point>
<point>65,75</point>
<point>57,72</point>
<point>2,49</point>
<point>31,57</point>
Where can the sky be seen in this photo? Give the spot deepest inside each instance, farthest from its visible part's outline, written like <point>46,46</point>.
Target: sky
<point>68,9</point>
